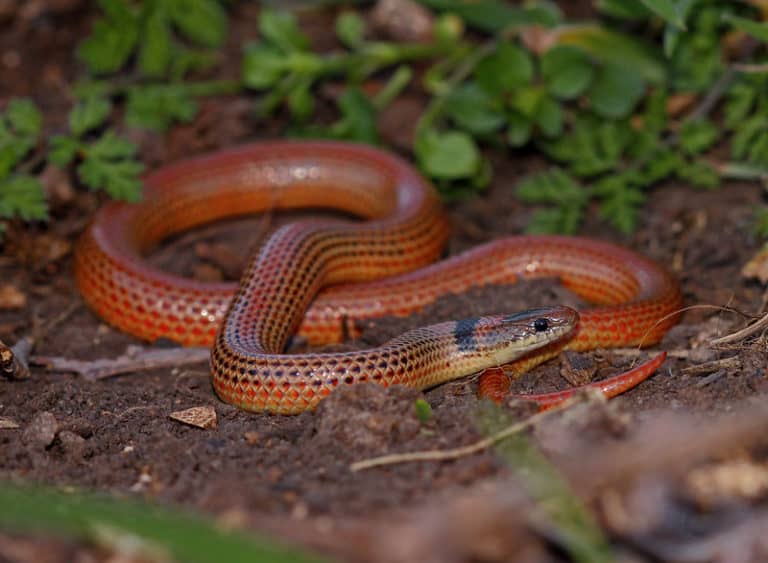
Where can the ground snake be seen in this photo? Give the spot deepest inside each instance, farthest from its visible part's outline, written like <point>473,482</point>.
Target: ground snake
<point>319,277</point>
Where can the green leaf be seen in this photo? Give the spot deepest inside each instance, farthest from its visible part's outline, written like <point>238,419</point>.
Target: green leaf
<point>108,164</point>
<point>620,202</point>
<point>667,10</point>
<point>358,116</point>
<point>741,99</point>
<point>758,30</point>
<point>623,9</point>
<point>112,40</point>
<point>19,128</point>
<point>746,135</point>
<point>301,101</point>
<point>423,410</point>
<point>506,69</point>
<point>616,91</point>
<point>63,150</point>
<point>447,156</point>
<point>178,535</point>
<point>22,196</point>
<point>526,100</point>
<point>263,66</point>
<point>24,117</point>
<point>201,21</point>
<point>88,114</point>
<point>552,186</point>
<point>555,220</point>
<point>281,29</point>
<point>156,50</point>
<point>673,34</point>
<point>159,107</point>
<point>659,166</point>
<point>593,146</point>
<point>567,71</point>
<point>698,135</point>
<point>620,49</point>
<point>519,130</point>
<point>700,174</point>
<point>472,109</point>
<point>350,29</point>
<point>494,15</point>
<point>549,117</point>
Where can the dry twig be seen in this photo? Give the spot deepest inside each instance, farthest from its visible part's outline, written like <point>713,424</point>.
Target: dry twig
<point>136,358</point>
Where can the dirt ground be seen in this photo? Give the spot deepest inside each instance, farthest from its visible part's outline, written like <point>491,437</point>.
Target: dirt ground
<point>289,477</point>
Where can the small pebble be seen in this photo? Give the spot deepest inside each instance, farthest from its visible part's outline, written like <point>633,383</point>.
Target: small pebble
<point>41,430</point>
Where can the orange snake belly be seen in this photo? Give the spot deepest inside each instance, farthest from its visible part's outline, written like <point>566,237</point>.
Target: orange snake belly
<point>318,277</point>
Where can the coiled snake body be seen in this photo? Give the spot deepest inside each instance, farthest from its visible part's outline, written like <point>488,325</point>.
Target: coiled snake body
<point>317,277</point>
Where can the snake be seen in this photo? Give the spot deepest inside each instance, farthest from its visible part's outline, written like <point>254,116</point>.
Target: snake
<point>319,278</point>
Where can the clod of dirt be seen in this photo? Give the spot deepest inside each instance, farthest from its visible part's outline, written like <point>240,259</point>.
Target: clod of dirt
<point>577,369</point>
<point>41,430</point>
<point>73,445</point>
<point>367,417</point>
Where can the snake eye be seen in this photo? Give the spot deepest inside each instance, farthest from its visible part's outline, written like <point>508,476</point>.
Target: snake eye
<point>540,325</point>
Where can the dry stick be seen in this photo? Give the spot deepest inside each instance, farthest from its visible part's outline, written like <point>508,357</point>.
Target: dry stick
<point>480,445</point>
<point>136,358</point>
<point>757,326</point>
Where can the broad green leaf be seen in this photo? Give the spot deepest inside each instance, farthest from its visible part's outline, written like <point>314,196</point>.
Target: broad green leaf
<point>472,109</point>
<point>301,101</point>
<point>282,31</point>
<point>567,71</point>
<point>549,117</point>
<point>758,30</point>
<point>624,9</point>
<point>350,29</point>
<point>620,49</point>
<point>263,66</point>
<point>616,91</point>
<point>201,21</point>
<point>88,114</point>
<point>494,15</point>
<point>509,67</point>
<point>667,10</point>
<point>156,50</point>
<point>447,155</point>
<point>175,535</point>
<point>359,116</point>
<point>110,44</point>
<point>519,130</point>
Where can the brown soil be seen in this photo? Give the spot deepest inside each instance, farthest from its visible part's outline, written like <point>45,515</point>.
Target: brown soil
<point>290,476</point>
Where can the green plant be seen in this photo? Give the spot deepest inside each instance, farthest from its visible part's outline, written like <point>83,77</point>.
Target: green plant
<point>592,98</point>
<point>154,533</point>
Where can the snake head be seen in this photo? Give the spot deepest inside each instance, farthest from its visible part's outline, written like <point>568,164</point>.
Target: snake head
<point>508,337</point>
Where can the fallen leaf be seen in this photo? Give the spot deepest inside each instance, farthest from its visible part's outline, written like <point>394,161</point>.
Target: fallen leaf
<point>8,423</point>
<point>201,417</point>
<point>11,297</point>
